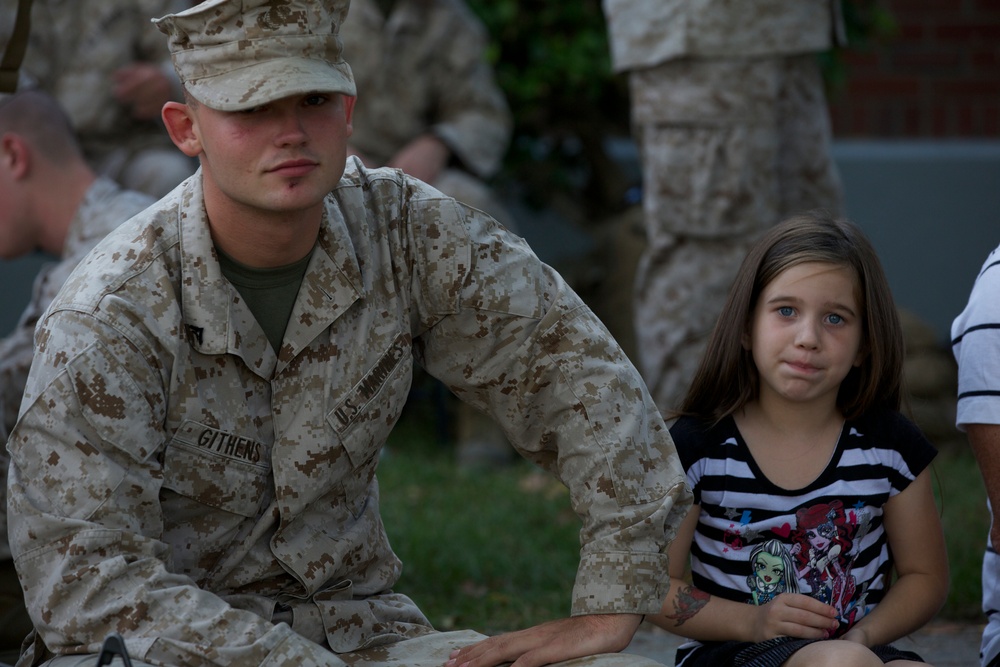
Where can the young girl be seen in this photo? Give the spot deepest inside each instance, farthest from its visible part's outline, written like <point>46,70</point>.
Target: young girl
<point>811,490</point>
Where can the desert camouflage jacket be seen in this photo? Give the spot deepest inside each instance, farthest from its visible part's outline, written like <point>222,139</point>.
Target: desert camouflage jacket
<point>194,487</point>
<point>644,33</point>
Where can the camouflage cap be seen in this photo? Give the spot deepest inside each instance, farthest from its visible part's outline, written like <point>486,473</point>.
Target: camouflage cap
<point>236,54</point>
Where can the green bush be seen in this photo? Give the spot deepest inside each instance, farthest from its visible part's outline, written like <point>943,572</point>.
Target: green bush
<point>552,61</point>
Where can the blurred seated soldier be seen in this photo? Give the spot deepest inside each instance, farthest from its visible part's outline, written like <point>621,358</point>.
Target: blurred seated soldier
<point>51,202</point>
<point>107,65</point>
<point>428,104</point>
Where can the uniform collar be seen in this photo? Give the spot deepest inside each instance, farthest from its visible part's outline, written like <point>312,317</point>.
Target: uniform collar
<point>216,319</point>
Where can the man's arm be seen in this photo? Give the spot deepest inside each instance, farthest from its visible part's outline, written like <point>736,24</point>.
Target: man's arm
<point>512,338</point>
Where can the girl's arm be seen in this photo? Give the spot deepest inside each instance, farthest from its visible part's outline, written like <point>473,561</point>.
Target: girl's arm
<point>690,612</point>
<point>921,562</point>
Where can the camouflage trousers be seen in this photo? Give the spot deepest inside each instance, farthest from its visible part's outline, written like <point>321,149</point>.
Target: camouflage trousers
<point>729,148</point>
<point>431,650</point>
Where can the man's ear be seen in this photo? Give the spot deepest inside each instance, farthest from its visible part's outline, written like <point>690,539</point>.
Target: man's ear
<point>15,155</point>
<point>179,120</point>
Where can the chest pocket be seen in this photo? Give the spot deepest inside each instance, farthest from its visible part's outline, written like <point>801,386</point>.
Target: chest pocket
<point>363,417</point>
<point>218,469</point>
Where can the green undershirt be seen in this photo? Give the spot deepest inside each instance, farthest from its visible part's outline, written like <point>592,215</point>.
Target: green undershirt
<point>269,293</point>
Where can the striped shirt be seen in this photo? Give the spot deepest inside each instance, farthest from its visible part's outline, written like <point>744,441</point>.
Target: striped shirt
<point>755,540</point>
<point>975,340</point>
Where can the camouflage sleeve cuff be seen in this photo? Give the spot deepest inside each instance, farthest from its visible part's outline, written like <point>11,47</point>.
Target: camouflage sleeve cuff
<point>620,583</point>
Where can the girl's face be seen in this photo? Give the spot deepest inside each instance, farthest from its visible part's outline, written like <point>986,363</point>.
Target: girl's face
<point>805,334</point>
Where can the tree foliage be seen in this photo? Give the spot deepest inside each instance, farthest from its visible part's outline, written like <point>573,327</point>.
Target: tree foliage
<point>553,63</point>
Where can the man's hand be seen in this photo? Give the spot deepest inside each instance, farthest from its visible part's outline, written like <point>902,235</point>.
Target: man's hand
<point>551,642</point>
<point>143,88</point>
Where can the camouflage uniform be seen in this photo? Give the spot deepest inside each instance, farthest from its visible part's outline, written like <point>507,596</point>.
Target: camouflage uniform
<point>104,206</point>
<point>729,112</point>
<point>74,49</point>
<point>195,488</point>
<point>422,68</point>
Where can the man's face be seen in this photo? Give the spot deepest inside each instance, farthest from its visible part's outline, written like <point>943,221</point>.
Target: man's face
<point>281,157</point>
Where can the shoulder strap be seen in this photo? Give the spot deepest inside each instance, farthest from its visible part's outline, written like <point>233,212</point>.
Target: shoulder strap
<point>14,53</point>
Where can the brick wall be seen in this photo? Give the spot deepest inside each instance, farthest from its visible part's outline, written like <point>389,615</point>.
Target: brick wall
<point>937,77</point>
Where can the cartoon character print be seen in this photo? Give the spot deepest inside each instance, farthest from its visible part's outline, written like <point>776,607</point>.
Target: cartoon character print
<point>822,546</point>
<point>773,572</point>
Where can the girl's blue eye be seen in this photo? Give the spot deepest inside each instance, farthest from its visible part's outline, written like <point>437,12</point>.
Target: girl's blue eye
<point>785,311</point>
<point>835,319</point>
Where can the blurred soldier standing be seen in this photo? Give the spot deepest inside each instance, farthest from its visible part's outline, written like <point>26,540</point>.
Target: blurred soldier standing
<point>729,112</point>
<point>53,202</point>
<point>429,104</point>
<point>108,67</point>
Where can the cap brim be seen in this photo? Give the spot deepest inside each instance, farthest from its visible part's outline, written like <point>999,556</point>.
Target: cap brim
<point>262,82</point>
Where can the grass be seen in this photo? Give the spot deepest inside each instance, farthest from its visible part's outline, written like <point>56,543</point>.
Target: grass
<point>492,551</point>
<point>497,550</point>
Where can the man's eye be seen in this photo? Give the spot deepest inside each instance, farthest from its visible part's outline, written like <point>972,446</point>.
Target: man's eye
<point>316,100</point>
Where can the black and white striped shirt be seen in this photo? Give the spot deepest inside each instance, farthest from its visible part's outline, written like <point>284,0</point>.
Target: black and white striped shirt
<point>755,539</point>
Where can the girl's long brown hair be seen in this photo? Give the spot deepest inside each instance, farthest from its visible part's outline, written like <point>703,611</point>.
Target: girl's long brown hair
<point>727,378</point>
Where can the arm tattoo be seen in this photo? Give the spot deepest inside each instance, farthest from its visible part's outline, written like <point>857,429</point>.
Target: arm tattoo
<point>689,601</point>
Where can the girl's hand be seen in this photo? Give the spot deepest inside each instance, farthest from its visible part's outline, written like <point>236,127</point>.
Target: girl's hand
<point>794,615</point>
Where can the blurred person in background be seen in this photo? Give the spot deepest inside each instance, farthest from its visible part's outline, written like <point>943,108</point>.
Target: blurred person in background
<point>107,66</point>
